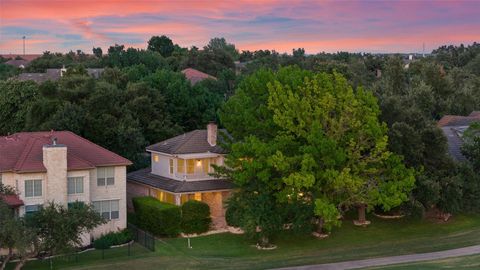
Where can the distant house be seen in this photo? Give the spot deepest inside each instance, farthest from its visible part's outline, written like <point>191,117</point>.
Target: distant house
<point>27,57</point>
<point>18,63</point>
<point>63,167</point>
<point>180,171</point>
<point>55,74</point>
<point>453,127</point>
<point>195,76</point>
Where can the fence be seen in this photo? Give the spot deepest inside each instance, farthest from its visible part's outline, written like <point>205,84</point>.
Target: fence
<point>142,237</point>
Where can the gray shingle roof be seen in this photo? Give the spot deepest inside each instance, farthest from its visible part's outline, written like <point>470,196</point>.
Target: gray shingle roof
<point>455,143</point>
<point>189,143</point>
<point>53,74</point>
<point>145,177</point>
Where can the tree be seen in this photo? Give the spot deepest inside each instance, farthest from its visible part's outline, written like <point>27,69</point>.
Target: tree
<point>162,45</point>
<point>58,229</point>
<point>220,44</point>
<point>301,138</point>
<point>97,52</point>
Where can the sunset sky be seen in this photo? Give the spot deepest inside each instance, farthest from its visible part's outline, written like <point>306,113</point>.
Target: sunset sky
<point>356,26</point>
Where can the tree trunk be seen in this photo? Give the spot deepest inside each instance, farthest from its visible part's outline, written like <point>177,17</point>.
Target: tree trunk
<point>7,258</point>
<point>264,241</point>
<point>21,263</point>
<point>319,225</point>
<point>361,213</point>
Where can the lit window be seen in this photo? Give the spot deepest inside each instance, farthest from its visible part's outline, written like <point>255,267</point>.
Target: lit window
<point>171,166</point>
<point>180,166</point>
<point>33,188</point>
<point>198,196</point>
<point>75,185</point>
<point>155,158</point>
<point>190,166</point>
<point>105,176</point>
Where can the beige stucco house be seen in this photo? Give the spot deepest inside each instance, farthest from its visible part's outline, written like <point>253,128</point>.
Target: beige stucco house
<point>181,169</point>
<point>63,167</point>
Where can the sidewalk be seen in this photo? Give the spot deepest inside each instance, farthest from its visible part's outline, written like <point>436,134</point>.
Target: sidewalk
<point>391,260</point>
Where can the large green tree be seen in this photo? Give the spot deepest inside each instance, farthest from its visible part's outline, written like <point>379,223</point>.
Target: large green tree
<point>312,139</point>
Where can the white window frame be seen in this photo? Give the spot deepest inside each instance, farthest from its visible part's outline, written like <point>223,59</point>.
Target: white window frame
<point>37,206</point>
<point>78,187</point>
<point>171,167</point>
<point>109,209</point>
<point>37,188</point>
<point>105,176</point>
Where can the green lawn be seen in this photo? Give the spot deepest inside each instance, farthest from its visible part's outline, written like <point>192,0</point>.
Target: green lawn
<point>467,262</point>
<point>382,238</point>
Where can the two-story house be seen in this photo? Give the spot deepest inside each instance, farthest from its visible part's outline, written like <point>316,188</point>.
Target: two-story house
<point>63,167</point>
<point>181,170</point>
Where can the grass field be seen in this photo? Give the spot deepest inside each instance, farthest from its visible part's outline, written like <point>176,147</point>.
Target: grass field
<point>228,251</point>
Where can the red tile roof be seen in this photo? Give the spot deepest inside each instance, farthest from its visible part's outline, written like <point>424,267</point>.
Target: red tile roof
<point>11,200</point>
<point>23,152</point>
<point>458,120</point>
<point>195,76</point>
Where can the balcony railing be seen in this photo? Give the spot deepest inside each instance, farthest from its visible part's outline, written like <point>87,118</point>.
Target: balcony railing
<point>193,176</point>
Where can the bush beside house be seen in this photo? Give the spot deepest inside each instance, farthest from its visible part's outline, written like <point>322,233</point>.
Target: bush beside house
<point>161,219</point>
<point>113,239</point>
<point>195,217</point>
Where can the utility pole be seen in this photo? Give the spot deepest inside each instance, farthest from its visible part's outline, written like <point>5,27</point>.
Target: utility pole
<point>23,45</point>
<point>423,53</point>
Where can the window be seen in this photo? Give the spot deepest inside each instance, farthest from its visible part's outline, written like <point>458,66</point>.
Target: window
<point>75,185</point>
<point>107,209</point>
<point>171,166</point>
<point>31,209</point>
<point>33,188</point>
<point>155,158</point>
<point>76,204</point>
<point>180,166</point>
<point>190,166</point>
<point>105,176</point>
<point>206,165</point>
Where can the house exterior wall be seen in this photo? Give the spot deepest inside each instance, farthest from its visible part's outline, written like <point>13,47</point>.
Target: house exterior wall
<point>54,188</point>
<point>135,190</point>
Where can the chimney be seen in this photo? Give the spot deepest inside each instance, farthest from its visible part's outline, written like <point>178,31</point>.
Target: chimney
<point>62,71</point>
<point>55,161</point>
<point>212,133</point>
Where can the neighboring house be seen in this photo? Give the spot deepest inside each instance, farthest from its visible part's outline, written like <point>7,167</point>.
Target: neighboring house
<point>63,167</point>
<point>195,76</point>
<point>55,74</point>
<point>180,171</point>
<point>18,63</point>
<point>453,127</point>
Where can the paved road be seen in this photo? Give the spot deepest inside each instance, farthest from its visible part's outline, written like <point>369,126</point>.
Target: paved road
<point>391,260</point>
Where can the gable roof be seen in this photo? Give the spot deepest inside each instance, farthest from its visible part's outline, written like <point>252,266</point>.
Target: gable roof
<point>17,63</point>
<point>145,177</point>
<point>453,127</point>
<point>195,76</point>
<point>189,143</point>
<point>23,152</point>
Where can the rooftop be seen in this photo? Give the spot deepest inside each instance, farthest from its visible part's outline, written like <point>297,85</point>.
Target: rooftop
<point>453,127</point>
<point>23,152</point>
<point>195,76</point>
<point>145,177</point>
<point>192,142</point>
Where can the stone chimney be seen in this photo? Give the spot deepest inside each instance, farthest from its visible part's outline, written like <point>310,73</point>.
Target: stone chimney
<point>212,133</point>
<point>55,161</point>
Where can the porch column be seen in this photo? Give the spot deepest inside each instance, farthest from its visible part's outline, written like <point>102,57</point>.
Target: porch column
<point>178,200</point>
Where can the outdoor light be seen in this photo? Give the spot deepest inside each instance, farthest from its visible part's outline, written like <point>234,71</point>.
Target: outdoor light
<point>199,163</point>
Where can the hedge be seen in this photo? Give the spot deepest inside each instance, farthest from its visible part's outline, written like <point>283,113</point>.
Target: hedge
<point>159,218</point>
<point>232,216</point>
<point>195,217</point>
<point>113,239</point>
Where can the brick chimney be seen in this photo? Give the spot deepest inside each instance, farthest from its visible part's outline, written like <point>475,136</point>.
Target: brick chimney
<point>55,161</point>
<point>212,133</point>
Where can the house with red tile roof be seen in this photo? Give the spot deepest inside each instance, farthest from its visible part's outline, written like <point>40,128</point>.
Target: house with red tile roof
<point>181,170</point>
<point>196,76</point>
<point>63,167</point>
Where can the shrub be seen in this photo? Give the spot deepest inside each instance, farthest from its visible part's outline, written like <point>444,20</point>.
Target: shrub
<point>233,214</point>
<point>195,217</point>
<point>159,218</point>
<point>113,239</point>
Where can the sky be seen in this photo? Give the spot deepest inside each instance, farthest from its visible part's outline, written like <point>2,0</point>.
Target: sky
<point>316,26</point>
